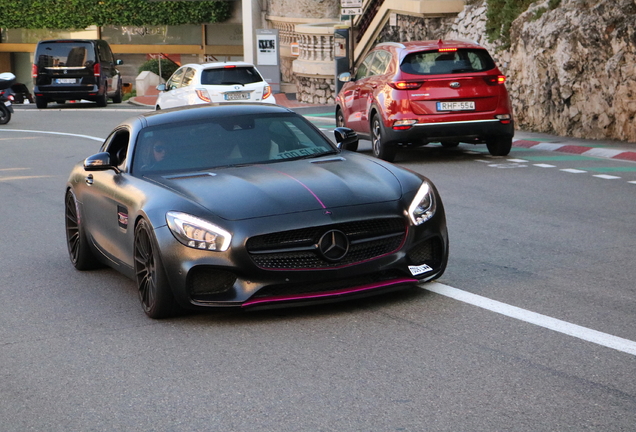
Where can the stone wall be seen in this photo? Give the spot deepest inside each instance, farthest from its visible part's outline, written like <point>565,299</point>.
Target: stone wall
<point>571,70</point>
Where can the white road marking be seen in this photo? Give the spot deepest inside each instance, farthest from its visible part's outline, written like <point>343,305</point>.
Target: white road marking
<point>574,171</point>
<point>632,182</point>
<point>545,165</point>
<point>605,176</point>
<point>54,133</point>
<point>517,160</point>
<point>583,333</point>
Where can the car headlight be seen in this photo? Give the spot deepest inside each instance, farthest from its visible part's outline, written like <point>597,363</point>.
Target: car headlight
<point>423,206</point>
<point>198,233</point>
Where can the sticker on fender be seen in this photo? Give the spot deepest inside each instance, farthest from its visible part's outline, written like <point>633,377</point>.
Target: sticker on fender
<point>418,270</point>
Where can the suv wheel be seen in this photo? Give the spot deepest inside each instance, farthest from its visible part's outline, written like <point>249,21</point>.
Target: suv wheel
<point>341,123</point>
<point>101,100</point>
<point>381,149</point>
<point>118,96</point>
<point>499,146</point>
<point>40,102</point>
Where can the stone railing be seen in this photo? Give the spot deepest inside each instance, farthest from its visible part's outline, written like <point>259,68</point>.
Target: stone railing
<point>287,35</point>
<point>314,69</point>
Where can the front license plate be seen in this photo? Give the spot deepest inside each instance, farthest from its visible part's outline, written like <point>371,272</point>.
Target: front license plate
<point>455,106</point>
<point>65,80</point>
<point>237,96</point>
<point>418,270</point>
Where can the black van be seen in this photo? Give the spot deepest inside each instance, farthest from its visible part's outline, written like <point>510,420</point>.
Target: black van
<point>72,69</point>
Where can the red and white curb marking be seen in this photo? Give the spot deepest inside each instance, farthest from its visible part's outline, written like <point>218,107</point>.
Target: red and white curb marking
<point>577,149</point>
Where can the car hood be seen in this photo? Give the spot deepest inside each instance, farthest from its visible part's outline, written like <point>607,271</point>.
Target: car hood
<point>236,193</point>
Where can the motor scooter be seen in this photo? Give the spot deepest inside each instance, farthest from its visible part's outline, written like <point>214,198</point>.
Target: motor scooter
<point>7,79</point>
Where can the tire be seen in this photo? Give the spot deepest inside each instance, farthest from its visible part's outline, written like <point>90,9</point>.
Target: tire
<point>499,146</point>
<point>102,100</point>
<point>450,144</point>
<point>118,96</point>
<point>5,114</point>
<point>154,291</point>
<point>79,250</point>
<point>381,149</point>
<point>340,122</point>
<point>40,102</point>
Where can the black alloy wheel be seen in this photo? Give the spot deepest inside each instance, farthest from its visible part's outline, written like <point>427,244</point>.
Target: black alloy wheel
<point>40,102</point>
<point>79,250</point>
<point>152,284</point>
<point>381,149</point>
<point>340,122</point>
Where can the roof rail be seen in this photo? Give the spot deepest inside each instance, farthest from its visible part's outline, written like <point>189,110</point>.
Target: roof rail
<point>395,44</point>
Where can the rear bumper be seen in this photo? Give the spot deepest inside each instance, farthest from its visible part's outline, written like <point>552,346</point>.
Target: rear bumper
<point>472,131</point>
<point>53,93</point>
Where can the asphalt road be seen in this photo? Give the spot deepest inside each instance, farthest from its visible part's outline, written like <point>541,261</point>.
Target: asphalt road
<point>540,337</point>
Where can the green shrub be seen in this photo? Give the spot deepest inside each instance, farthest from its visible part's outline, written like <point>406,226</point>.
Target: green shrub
<point>501,14</point>
<point>79,14</point>
<point>167,67</point>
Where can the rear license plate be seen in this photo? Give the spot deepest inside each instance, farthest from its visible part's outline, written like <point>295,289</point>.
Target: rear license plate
<point>237,96</point>
<point>455,106</point>
<point>65,80</point>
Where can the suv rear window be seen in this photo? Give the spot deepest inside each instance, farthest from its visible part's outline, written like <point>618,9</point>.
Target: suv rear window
<point>233,75</point>
<point>65,55</point>
<point>435,62</point>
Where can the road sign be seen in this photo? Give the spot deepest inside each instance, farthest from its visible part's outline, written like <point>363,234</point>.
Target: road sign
<point>351,11</point>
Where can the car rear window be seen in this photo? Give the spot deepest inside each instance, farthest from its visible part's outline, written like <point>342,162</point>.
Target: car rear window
<point>65,55</point>
<point>230,75</point>
<point>435,62</point>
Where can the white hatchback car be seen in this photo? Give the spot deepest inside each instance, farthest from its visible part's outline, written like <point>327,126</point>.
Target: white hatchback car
<point>194,84</point>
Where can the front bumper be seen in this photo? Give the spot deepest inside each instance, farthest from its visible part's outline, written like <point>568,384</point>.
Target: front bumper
<point>234,279</point>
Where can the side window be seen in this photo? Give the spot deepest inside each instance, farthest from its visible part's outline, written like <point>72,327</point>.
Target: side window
<point>363,69</point>
<point>175,80</point>
<point>379,63</point>
<point>105,53</point>
<point>117,146</point>
<point>187,77</point>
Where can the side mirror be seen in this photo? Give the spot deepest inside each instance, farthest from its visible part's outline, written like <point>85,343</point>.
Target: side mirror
<point>345,137</point>
<point>119,62</point>
<point>161,87</point>
<point>99,162</point>
<point>344,77</point>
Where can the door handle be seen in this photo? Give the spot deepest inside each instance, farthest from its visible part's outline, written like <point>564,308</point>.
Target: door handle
<point>89,179</point>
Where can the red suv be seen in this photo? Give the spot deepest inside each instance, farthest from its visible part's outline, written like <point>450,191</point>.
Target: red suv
<point>414,93</point>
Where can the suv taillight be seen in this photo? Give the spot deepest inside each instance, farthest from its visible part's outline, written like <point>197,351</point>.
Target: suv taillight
<point>34,71</point>
<point>97,69</point>
<point>406,85</point>
<point>495,79</point>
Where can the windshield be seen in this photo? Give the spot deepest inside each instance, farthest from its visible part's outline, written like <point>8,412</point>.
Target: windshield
<point>435,62</point>
<point>230,75</point>
<point>65,55</point>
<point>222,142</point>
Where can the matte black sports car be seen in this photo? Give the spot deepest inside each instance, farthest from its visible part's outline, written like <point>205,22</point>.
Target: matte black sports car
<point>251,206</point>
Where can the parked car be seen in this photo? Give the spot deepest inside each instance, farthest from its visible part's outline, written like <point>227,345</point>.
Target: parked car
<point>414,93</point>
<point>196,84</point>
<point>75,69</point>
<point>249,206</point>
<point>19,93</point>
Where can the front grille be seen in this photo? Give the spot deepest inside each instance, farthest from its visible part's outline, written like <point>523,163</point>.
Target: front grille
<point>298,249</point>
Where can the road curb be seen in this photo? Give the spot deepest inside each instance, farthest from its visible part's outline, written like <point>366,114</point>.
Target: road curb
<point>577,149</point>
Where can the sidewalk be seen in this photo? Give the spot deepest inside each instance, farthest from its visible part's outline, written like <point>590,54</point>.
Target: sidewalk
<point>538,141</point>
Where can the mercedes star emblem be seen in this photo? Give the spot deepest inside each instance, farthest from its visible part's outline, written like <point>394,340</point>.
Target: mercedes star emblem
<point>333,245</point>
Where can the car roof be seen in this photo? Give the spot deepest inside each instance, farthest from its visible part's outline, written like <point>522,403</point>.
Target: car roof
<point>214,110</point>
<point>427,45</point>
<point>217,65</point>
